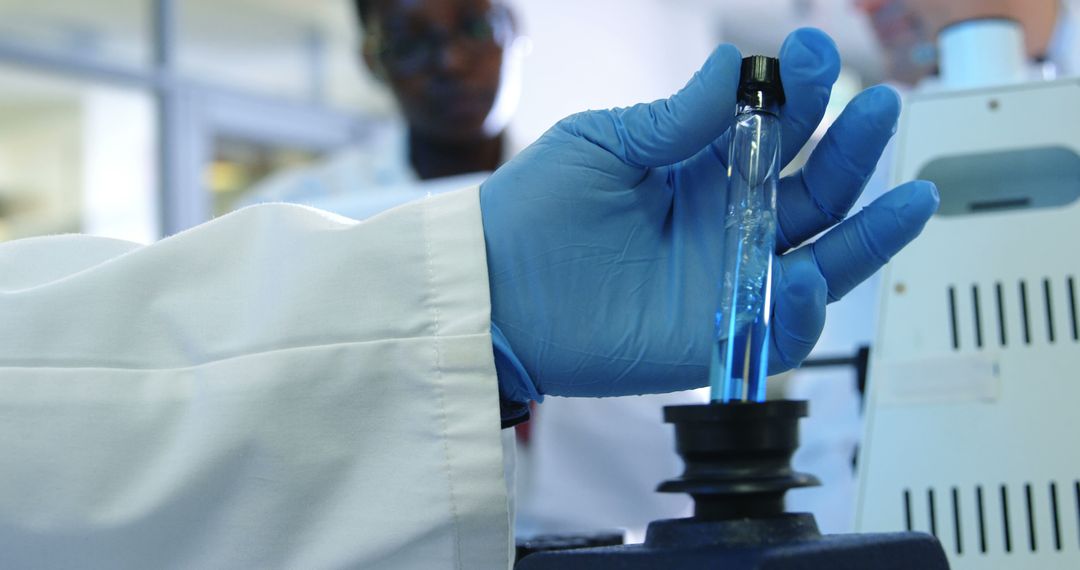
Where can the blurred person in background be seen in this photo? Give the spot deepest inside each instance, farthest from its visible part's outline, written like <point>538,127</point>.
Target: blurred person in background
<point>907,33</point>
<point>454,70</point>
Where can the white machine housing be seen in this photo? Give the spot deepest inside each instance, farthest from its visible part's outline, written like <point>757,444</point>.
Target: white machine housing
<point>973,403</point>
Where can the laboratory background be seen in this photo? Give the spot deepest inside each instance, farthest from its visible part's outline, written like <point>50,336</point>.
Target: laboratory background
<point>138,119</point>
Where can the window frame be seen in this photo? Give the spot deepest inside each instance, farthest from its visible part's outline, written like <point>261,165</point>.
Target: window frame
<point>192,113</point>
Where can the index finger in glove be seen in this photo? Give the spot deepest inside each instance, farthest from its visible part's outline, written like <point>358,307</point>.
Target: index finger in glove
<point>668,130</point>
<point>809,65</point>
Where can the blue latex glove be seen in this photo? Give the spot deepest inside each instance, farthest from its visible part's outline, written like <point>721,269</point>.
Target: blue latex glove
<point>604,237</point>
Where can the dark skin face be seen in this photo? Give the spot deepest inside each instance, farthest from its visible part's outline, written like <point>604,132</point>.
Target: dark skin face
<point>434,58</point>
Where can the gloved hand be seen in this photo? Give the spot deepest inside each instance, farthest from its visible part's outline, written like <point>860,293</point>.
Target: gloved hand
<point>604,237</point>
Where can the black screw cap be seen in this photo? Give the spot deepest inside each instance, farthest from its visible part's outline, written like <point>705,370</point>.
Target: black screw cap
<point>760,74</point>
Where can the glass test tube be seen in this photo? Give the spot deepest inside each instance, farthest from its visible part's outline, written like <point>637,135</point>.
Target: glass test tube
<point>740,358</point>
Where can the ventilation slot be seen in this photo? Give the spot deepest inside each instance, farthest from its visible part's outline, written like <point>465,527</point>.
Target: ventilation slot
<point>1006,532</point>
<point>1072,308</point>
<point>982,518</point>
<point>952,319</point>
<point>957,532</point>
<point>1054,516</point>
<point>978,315</point>
<point>1049,304</point>
<point>1030,517</point>
<point>1000,298</point>
<point>907,510</point>
<point>933,512</point>
<point>1024,313</point>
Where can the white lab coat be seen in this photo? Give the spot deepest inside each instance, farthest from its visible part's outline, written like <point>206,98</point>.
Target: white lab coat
<point>278,388</point>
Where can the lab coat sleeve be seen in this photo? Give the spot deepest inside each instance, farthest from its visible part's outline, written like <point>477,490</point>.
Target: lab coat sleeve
<point>277,388</point>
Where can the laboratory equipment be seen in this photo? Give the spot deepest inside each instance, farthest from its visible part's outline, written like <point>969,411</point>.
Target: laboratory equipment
<point>740,358</point>
<point>971,409</point>
<point>738,469</point>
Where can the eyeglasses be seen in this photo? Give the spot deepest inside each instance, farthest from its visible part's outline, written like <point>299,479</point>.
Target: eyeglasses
<point>414,52</point>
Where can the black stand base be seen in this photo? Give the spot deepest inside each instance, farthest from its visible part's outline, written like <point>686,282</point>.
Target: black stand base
<point>787,542</point>
<point>738,468</point>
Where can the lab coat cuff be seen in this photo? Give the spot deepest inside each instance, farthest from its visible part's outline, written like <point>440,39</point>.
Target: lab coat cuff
<point>515,385</point>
